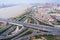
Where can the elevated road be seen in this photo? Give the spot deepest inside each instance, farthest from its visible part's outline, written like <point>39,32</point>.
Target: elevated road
<point>9,37</point>
<point>51,30</point>
<point>7,31</point>
<point>33,34</point>
<point>34,26</point>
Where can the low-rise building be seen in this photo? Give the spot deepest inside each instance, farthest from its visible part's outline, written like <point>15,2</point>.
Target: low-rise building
<point>41,14</point>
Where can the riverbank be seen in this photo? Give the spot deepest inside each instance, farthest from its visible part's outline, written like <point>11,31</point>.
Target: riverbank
<point>14,11</point>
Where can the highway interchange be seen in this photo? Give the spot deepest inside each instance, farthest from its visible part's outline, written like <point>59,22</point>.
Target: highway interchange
<point>25,25</point>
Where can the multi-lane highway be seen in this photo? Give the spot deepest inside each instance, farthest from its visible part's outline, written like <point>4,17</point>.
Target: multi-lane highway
<point>24,22</point>
<point>35,26</point>
<point>51,30</point>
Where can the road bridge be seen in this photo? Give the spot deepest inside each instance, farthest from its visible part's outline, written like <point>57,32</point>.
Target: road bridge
<point>34,26</point>
<point>51,30</point>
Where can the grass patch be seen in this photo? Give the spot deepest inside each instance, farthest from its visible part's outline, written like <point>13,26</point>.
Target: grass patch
<point>41,23</point>
<point>31,20</point>
<point>27,33</point>
<point>4,29</point>
<point>58,22</point>
<point>48,37</point>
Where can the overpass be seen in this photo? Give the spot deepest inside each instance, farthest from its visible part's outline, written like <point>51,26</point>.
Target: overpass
<point>49,29</point>
<point>34,26</point>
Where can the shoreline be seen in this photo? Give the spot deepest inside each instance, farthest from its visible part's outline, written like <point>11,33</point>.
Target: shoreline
<point>15,11</point>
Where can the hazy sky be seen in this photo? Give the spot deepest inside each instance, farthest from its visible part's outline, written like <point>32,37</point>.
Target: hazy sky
<point>28,1</point>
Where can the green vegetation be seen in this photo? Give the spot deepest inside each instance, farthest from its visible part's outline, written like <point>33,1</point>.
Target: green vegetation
<point>48,37</point>
<point>18,18</point>
<point>31,20</point>
<point>58,22</point>
<point>4,29</point>
<point>27,33</point>
<point>54,11</point>
<point>51,12</point>
<point>11,32</point>
<point>41,23</point>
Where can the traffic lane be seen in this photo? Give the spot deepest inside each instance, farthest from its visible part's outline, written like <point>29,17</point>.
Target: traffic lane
<point>35,26</point>
<point>7,31</point>
<point>33,34</point>
<point>8,37</point>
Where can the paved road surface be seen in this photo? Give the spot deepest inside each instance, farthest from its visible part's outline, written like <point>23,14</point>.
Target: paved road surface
<point>35,26</point>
